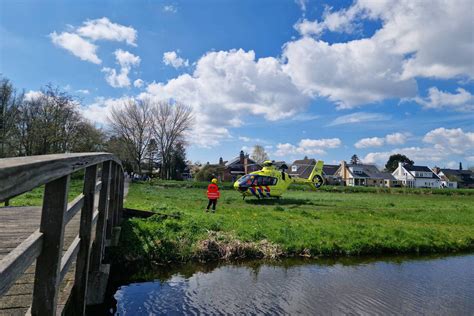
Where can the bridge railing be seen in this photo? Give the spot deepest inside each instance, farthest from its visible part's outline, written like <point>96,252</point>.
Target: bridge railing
<point>19,175</point>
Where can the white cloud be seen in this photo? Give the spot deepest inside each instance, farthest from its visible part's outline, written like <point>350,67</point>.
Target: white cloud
<point>77,46</point>
<point>104,29</point>
<point>307,147</point>
<point>417,39</point>
<point>391,139</point>
<point>126,60</point>
<point>323,143</point>
<point>325,70</point>
<point>138,83</point>
<point>308,28</point>
<point>359,117</point>
<point>370,142</point>
<point>461,101</point>
<point>441,145</point>
<point>172,59</point>
<point>302,4</point>
<point>99,111</point>
<point>451,140</point>
<point>32,95</point>
<point>170,8</point>
<point>83,91</point>
<point>229,85</point>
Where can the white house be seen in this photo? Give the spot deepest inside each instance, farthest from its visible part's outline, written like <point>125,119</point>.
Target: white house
<point>416,176</point>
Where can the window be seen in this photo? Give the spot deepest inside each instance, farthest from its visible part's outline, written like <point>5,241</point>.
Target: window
<point>294,168</point>
<point>250,180</point>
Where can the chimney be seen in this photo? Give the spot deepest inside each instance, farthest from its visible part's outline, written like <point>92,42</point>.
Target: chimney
<point>344,171</point>
<point>460,166</point>
<point>242,157</point>
<point>436,170</point>
<point>246,160</point>
<point>221,161</point>
<point>400,170</point>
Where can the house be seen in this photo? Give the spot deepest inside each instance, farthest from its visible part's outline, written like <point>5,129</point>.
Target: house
<point>238,167</point>
<point>302,169</point>
<point>365,175</point>
<point>455,178</point>
<point>416,176</point>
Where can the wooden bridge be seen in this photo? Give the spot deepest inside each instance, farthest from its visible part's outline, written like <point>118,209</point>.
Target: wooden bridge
<point>52,257</point>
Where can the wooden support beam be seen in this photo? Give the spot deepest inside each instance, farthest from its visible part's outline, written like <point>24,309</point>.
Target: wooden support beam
<point>98,245</point>
<point>85,231</point>
<point>19,259</point>
<point>48,264</point>
<point>112,201</point>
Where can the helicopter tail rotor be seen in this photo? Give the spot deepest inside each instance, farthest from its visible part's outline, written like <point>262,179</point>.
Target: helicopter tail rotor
<point>316,177</point>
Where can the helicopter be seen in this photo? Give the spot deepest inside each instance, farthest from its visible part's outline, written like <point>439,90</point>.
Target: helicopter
<point>271,182</point>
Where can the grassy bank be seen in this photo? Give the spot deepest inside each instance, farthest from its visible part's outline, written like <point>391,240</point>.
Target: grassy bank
<point>35,196</point>
<point>303,223</point>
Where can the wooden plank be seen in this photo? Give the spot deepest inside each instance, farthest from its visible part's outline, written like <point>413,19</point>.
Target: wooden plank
<point>69,257</point>
<point>48,264</point>
<point>22,174</point>
<point>98,186</point>
<point>85,231</point>
<point>17,261</point>
<point>120,197</point>
<point>112,202</point>
<point>74,207</point>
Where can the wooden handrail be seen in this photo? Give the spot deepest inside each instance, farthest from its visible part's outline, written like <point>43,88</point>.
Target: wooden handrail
<point>22,174</point>
<point>19,175</point>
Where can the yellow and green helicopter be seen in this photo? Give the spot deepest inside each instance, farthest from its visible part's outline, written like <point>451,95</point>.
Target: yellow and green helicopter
<point>272,182</point>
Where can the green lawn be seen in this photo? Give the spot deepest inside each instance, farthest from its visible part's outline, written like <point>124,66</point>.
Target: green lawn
<point>35,196</point>
<point>301,223</point>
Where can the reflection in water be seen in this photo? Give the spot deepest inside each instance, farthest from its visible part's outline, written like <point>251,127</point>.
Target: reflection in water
<point>436,286</point>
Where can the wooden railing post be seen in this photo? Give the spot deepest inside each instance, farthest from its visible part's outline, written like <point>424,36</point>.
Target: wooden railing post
<point>112,201</point>
<point>98,245</point>
<point>121,195</point>
<point>48,264</point>
<point>85,232</point>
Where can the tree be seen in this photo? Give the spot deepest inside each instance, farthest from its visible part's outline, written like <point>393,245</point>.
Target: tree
<point>258,154</point>
<point>178,162</point>
<point>48,123</point>
<point>9,103</point>
<point>87,138</point>
<point>207,172</point>
<point>170,122</point>
<point>355,160</point>
<point>131,124</point>
<point>393,161</point>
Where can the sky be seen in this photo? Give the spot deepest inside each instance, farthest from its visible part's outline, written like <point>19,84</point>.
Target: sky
<point>302,78</point>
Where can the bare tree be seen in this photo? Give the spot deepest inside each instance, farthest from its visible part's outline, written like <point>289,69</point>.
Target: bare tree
<point>132,124</point>
<point>259,154</point>
<point>170,122</point>
<point>9,103</point>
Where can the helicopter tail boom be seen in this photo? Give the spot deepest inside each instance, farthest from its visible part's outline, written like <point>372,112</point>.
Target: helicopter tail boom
<point>316,179</point>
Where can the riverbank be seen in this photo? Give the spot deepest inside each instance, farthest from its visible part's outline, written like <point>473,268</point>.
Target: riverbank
<point>302,223</point>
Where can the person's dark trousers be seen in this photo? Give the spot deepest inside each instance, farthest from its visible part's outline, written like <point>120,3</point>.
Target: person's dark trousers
<point>212,202</point>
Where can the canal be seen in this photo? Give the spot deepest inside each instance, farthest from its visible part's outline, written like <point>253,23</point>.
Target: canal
<point>395,285</point>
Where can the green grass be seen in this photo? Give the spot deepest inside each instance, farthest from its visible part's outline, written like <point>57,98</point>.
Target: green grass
<point>35,196</point>
<point>305,223</point>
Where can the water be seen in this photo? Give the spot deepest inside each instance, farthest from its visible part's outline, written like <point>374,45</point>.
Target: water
<point>428,286</point>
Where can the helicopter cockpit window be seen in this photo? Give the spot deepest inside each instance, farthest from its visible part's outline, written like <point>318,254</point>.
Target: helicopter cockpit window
<point>247,180</point>
<point>267,181</point>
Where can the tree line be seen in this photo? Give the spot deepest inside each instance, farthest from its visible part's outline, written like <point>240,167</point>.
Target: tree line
<point>147,135</point>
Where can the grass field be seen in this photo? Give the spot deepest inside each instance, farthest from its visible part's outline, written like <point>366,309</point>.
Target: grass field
<point>301,223</point>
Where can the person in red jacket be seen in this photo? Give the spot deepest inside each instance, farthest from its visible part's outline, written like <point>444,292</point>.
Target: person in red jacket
<point>212,194</point>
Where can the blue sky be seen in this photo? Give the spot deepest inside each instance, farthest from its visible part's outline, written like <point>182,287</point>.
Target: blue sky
<point>303,78</point>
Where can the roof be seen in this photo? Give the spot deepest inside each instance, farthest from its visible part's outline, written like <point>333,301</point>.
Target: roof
<point>330,170</point>
<point>304,167</point>
<point>368,171</point>
<point>411,168</point>
<point>417,168</point>
<point>464,176</point>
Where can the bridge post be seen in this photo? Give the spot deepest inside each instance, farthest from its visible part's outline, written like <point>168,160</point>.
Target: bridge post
<point>48,264</point>
<point>85,232</point>
<point>113,202</point>
<point>99,273</point>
